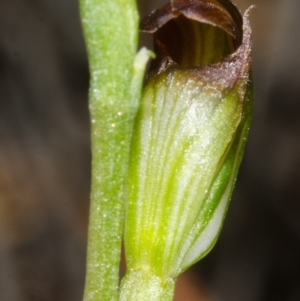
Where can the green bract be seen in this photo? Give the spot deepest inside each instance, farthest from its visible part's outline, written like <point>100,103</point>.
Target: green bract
<point>187,143</point>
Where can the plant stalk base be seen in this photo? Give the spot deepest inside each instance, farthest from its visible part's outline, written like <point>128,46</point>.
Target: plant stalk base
<point>144,286</point>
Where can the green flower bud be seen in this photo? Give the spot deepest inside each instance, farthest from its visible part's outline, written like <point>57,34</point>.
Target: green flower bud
<point>188,139</point>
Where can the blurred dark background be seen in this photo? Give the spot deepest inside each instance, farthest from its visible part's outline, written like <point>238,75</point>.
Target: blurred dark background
<point>45,161</point>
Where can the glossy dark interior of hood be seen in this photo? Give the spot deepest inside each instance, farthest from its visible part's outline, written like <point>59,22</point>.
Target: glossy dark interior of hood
<point>194,33</point>
<point>191,43</point>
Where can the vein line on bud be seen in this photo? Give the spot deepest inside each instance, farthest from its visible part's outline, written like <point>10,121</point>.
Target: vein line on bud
<point>189,137</point>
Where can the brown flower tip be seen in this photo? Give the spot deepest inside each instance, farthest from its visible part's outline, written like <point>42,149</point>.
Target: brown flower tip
<point>218,13</point>
<point>207,38</point>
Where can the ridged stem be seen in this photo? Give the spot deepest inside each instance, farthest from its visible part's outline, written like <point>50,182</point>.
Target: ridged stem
<point>110,29</point>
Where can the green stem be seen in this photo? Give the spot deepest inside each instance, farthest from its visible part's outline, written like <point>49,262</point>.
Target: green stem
<point>110,30</point>
<point>144,286</point>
